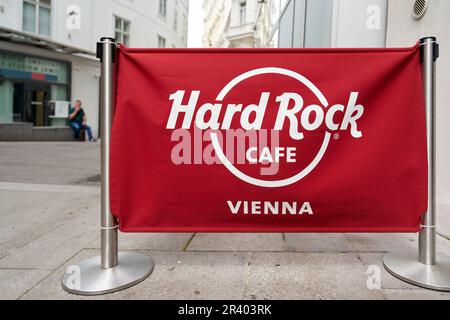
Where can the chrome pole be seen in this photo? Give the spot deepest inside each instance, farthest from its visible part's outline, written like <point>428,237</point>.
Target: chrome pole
<point>427,236</point>
<point>112,270</point>
<point>426,269</point>
<point>109,245</point>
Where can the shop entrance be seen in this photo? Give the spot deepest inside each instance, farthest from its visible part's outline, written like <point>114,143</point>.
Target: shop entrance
<point>31,102</point>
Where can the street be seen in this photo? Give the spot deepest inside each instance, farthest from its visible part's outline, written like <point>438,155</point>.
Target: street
<point>49,208</point>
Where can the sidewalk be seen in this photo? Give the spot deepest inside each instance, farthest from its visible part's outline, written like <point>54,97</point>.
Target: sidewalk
<point>49,208</point>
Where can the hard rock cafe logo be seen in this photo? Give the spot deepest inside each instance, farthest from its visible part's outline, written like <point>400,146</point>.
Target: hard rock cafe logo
<point>291,110</point>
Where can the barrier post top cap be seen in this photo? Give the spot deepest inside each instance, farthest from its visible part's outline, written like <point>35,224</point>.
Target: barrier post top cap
<point>424,39</point>
<point>107,38</point>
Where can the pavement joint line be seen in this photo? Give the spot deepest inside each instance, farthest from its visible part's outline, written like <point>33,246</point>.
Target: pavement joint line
<point>239,251</point>
<point>25,269</point>
<point>50,188</point>
<point>358,257</point>
<point>61,224</point>
<point>380,292</point>
<point>268,251</point>
<point>233,251</point>
<point>186,246</point>
<point>247,273</point>
<point>283,238</point>
<point>243,251</point>
<point>31,241</point>
<point>443,236</point>
<point>53,270</point>
<point>50,273</point>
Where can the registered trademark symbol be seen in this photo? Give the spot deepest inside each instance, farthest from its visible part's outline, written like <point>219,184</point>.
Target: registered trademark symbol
<point>336,136</point>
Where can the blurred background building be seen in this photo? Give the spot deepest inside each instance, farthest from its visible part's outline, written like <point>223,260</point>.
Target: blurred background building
<point>232,23</point>
<point>295,23</point>
<point>216,21</point>
<point>47,47</point>
<point>47,53</point>
<point>348,23</point>
<point>326,23</point>
<point>408,21</point>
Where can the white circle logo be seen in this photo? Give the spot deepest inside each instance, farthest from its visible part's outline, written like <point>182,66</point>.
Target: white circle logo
<point>271,183</point>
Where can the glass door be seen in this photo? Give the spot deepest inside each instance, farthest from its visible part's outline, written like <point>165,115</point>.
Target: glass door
<point>36,100</point>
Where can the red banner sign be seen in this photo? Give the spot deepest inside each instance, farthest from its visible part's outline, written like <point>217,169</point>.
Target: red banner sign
<point>276,140</point>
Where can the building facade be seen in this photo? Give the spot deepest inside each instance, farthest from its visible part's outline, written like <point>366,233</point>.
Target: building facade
<point>47,51</point>
<point>216,21</point>
<point>232,23</point>
<point>375,23</point>
<point>403,29</point>
<point>325,23</point>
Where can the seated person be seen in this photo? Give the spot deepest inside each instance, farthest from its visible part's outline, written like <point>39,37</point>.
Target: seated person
<point>78,121</point>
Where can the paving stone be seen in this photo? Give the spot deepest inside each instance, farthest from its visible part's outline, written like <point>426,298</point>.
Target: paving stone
<point>49,162</point>
<point>192,275</point>
<point>51,289</point>
<point>388,281</point>
<point>308,276</point>
<point>47,225</point>
<point>417,294</point>
<point>149,241</point>
<point>177,275</point>
<point>392,242</point>
<point>382,242</point>
<point>55,247</point>
<point>29,215</point>
<point>237,242</point>
<point>443,219</point>
<point>316,242</point>
<point>14,283</point>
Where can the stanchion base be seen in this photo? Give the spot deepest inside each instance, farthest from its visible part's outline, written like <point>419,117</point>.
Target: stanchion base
<point>406,267</point>
<point>89,278</point>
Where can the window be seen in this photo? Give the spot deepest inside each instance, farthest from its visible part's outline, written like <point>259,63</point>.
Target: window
<point>161,42</point>
<point>36,16</point>
<point>122,30</point>
<point>242,12</point>
<point>162,8</point>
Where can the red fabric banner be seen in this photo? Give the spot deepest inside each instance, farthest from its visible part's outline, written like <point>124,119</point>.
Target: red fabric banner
<point>269,140</point>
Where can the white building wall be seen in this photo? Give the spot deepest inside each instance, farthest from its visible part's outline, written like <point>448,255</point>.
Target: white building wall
<point>404,30</point>
<point>359,23</point>
<point>97,20</point>
<point>11,14</point>
<point>332,23</point>
<point>224,27</point>
<point>86,74</point>
<point>248,34</point>
<point>216,21</point>
<point>251,12</point>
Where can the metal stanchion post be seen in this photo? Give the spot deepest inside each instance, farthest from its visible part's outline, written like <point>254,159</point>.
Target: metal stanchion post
<point>425,269</point>
<point>113,270</point>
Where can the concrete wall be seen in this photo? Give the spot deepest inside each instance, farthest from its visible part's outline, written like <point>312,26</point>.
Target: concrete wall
<point>359,23</point>
<point>24,131</point>
<point>404,30</point>
<point>19,131</point>
<point>318,25</point>
<point>333,23</point>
